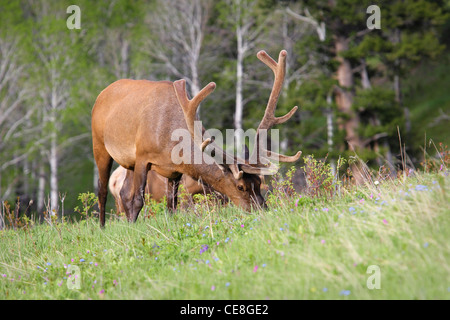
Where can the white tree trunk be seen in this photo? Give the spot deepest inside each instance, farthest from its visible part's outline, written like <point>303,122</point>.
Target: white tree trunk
<point>95,182</point>
<point>239,111</point>
<point>53,176</point>
<point>41,188</point>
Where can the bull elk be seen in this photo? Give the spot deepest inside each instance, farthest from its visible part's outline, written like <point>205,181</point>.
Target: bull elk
<point>132,123</point>
<point>156,186</point>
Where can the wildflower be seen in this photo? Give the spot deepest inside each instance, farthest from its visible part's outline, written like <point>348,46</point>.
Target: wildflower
<point>325,289</point>
<point>322,241</point>
<point>102,291</point>
<point>421,187</point>
<point>345,292</point>
<point>351,209</point>
<point>268,241</point>
<point>296,202</point>
<point>207,261</point>
<point>325,209</point>
<point>385,221</point>
<point>242,225</point>
<point>227,284</point>
<point>82,260</point>
<point>425,245</point>
<point>376,182</point>
<point>204,248</point>
<point>4,275</point>
<point>188,224</point>
<point>255,269</point>
<point>114,282</point>
<point>213,288</point>
<point>216,259</point>
<point>227,239</point>
<point>361,201</point>
<point>49,264</point>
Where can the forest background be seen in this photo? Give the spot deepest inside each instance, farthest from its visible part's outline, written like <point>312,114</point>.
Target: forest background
<point>361,91</point>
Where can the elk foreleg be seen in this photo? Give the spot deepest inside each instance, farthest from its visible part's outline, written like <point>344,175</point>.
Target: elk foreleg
<point>133,196</point>
<point>126,193</point>
<point>172,193</point>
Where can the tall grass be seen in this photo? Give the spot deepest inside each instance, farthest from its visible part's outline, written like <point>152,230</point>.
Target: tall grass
<point>300,248</point>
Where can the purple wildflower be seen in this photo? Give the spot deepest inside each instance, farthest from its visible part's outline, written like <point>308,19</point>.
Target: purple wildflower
<point>204,248</point>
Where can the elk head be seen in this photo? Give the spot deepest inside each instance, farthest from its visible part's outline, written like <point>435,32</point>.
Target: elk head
<point>240,178</point>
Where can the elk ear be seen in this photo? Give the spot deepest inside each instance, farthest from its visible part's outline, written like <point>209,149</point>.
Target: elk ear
<point>268,170</point>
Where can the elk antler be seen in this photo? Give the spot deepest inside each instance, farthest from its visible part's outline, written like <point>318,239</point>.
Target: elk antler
<point>269,119</point>
<point>236,165</point>
<point>190,109</point>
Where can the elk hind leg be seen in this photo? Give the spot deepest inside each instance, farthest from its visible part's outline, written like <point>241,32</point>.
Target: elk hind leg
<point>104,163</point>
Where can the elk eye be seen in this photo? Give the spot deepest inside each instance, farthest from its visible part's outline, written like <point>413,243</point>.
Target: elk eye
<point>240,188</point>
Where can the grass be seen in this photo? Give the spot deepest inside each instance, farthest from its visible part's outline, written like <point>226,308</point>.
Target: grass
<point>300,248</point>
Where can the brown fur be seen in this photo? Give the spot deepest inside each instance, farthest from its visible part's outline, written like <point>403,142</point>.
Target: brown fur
<point>132,123</point>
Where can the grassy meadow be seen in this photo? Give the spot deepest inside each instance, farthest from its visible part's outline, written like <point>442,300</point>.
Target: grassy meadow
<point>299,248</point>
